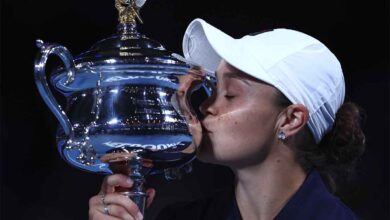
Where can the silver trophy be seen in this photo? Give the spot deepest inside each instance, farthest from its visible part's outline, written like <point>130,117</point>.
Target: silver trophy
<point>127,104</point>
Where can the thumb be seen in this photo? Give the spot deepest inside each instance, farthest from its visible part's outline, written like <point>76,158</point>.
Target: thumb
<point>150,193</point>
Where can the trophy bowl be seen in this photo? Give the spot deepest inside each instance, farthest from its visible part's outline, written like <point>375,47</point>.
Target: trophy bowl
<point>127,104</point>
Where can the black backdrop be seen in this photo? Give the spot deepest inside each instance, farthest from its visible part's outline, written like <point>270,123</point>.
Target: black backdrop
<point>37,184</point>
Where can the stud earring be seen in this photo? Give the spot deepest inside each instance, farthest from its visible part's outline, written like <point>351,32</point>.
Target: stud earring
<point>281,135</point>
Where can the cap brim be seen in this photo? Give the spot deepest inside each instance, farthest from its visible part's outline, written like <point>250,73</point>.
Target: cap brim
<point>206,46</point>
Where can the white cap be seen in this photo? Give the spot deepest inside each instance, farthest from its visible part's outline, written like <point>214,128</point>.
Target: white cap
<point>300,66</point>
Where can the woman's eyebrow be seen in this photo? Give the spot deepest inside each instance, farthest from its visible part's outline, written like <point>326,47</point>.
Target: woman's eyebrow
<point>232,75</point>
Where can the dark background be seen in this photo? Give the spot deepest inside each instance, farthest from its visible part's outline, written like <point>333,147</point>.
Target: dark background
<point>37,184</point>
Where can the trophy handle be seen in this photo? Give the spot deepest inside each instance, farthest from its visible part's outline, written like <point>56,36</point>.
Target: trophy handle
<point>46,50</point>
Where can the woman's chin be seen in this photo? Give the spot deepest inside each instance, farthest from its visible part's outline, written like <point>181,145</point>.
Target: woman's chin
<point>206,156</point>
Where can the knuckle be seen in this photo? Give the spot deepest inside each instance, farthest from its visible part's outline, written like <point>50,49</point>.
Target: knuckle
<point>121,212</point>
<point>116,179</point>
<point>133,208</point>
<point>111,179</point>
<point>129,204</point>
<point>92,201</point>
<point>125,201</point>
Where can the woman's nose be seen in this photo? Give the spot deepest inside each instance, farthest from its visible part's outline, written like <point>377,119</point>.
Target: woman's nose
<point>208,106</point>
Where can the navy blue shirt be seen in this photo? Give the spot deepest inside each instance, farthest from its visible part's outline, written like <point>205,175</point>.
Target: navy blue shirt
<point>312,201</point>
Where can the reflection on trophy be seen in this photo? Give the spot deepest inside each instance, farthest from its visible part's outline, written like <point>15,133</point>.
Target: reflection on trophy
<point>127,105</point>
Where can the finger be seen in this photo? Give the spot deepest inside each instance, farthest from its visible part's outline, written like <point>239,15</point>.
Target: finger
<point>96,214</point>
<point>112,181</point>
<point>96,201</point>
<point>150,193</point>
<point>188,81</point>
<point>123,201</point>
<point>197,72</point>
<point>120,212</point>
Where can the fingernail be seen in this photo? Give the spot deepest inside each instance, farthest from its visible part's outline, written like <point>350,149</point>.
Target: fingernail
<point>129,181</point>
<point>140,216</point>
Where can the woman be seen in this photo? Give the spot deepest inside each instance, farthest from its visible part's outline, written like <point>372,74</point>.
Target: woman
<point>276,118</point>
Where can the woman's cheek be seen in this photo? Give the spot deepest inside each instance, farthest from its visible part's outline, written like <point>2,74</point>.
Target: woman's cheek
<point>232,134</point>
<point>239,133</point>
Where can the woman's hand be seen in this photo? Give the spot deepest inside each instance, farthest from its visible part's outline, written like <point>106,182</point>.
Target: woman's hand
<point>111,205</point>
<point>187,82</point>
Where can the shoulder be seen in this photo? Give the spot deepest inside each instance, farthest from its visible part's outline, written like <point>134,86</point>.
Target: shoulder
<point>331,207</point>
<point>314,201</point>
<point>214,206</point>
<point>327,205</point>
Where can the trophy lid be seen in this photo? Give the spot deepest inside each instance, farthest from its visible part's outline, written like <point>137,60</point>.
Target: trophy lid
<point>127,46</point>
<point>124,53</point>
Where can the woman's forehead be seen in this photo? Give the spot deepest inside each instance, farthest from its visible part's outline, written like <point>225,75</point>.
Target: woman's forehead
<point>227,71</point>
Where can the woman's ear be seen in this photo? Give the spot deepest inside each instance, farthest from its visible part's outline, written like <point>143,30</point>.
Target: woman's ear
<point>294,120</point>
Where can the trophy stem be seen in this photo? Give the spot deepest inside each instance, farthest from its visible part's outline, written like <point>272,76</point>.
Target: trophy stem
<point>127,29</point>
<point>139,198</point>
<point>137,194</point>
